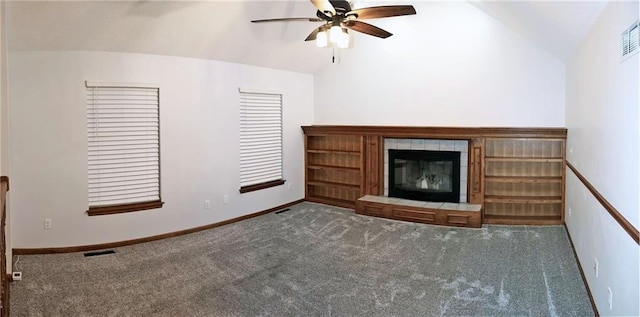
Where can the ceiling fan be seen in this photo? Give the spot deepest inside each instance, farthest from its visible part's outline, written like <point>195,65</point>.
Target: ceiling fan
<point>338,17</point>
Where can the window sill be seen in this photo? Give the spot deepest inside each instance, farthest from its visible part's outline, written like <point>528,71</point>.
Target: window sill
<point>260,186</point>
<point>110,210</point>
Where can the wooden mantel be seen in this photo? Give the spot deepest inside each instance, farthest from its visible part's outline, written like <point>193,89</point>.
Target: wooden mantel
<point>453,133</point>
<point>516,174</point>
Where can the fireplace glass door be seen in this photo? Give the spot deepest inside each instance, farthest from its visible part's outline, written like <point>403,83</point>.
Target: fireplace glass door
<point>424,175</point>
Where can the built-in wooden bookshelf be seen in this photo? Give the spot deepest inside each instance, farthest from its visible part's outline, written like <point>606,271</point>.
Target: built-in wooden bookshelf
<point>334,169</point>
<point>524,180</point>
<point>516,174</point>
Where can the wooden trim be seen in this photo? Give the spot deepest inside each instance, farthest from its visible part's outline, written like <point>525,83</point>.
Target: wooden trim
<point>622,221</point>
<point>584,278</point>
<point>373,165</point>
<point>381,177</point>
<point>110,210</point>
<point>260,186</point>
<point>460,133</point>
<point>306,163</point>
<point>6,294</point>
<point>5,179</point>
<point>475,172</point>
<point>363,167</point>
<point>332,201</point>
<point>93,247</point>
<point>6,278</point>
<point>563,185</point>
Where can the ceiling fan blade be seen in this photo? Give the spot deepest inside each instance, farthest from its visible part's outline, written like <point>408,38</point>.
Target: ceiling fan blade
<point>324,6</point>
<point>366,28</point>
<point>289,20</point>
<point>382,12</point>
<point>315,32</point>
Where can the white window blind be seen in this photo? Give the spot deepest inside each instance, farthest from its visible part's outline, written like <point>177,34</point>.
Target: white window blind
<point>123,130</point>
<point>633,38</point>
<point>260,138</point>
<point>629,39</point>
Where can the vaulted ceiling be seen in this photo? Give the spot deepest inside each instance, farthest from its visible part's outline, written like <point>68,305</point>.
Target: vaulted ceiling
<point>220,30</point>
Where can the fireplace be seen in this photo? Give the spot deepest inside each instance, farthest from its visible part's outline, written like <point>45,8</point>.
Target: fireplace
<point>424,175</point>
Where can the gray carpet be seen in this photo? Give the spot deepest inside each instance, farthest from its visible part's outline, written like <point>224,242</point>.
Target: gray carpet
<point>315,260</point>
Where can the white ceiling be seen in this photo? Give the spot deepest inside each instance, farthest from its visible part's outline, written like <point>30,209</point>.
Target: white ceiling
<point>556,26</point>
<point>220,30</point>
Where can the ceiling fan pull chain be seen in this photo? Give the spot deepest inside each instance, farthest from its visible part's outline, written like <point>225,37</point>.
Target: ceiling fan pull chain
<point>333,55</point>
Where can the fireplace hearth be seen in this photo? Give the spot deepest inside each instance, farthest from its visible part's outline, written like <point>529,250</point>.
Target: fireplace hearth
<point>424,175</point>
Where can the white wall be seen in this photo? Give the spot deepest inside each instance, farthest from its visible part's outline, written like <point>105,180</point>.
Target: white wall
<point>4,129</point>
<point>3,90</point>
<point>452,66</point>
<point>199,143</point>
<point>602,120</point>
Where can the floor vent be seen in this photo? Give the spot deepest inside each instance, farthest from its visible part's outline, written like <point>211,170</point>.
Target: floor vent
<point>281,211</point>
<point>90,254</point>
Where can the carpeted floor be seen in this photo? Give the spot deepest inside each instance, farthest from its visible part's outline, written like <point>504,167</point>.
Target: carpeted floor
<point>315,260</point>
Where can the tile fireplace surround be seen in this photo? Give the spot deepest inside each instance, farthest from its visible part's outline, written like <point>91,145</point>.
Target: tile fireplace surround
<point>461,146</point>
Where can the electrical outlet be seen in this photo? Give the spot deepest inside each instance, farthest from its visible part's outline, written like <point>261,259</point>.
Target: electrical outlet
<point>47,224</point>
<point>225,199</point>
<point>16,276</point>
<point>569,210</point>
<point>610,298</point>
<point>571,151</point>
<point>207,204</point>
<point>596,266</point>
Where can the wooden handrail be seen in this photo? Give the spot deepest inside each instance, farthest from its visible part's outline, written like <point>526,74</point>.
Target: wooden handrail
<point>624,223</point>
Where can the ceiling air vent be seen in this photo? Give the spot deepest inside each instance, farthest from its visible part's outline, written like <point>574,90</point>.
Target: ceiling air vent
<point>630,41</point>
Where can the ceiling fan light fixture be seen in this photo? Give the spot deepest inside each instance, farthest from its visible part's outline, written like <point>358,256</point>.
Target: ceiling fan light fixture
<point>322,39</point>
<point>343,39</point>
<point>335,32</point>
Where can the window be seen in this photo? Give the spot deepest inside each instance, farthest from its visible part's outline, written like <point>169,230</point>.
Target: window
<point>260,140</point>
<point>123,132</point>
<point>629,41</point>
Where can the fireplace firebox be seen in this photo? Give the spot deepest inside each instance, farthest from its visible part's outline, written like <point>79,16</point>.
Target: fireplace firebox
<point>424,175</point>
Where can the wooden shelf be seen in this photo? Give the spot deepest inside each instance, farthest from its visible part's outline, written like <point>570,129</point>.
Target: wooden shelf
<point>524,159</point>
<point>524,199</point>
<point>333,152</point>
<point>333,184</point>
<point>333,167</point>
<point>522,179</point>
